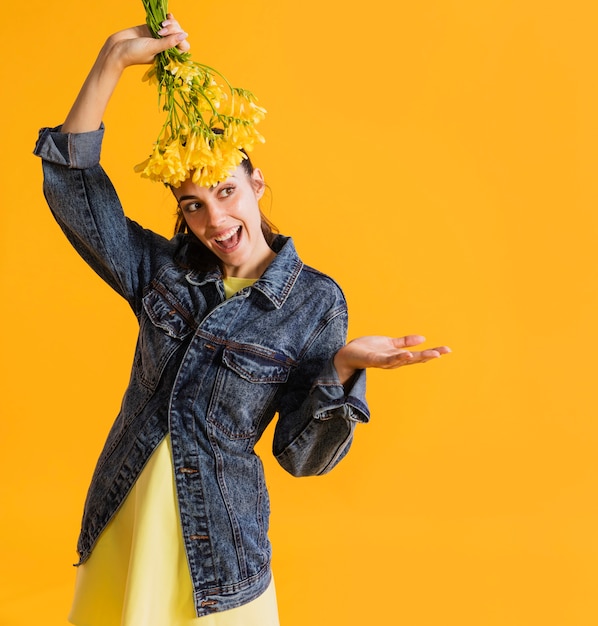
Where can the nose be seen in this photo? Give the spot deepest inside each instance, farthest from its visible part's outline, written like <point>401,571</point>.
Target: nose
<point>215,214</point>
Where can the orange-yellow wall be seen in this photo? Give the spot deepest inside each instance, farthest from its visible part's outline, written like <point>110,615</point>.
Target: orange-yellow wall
<point>439,159</point>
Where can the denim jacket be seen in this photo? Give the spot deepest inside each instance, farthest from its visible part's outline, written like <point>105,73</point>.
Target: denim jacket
<point>209,371</point>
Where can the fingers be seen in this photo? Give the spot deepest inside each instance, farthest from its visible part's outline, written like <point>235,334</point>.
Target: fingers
<point>408,341</point>
<point>172,30</point>
<point>428,355</point>
<point>406,357</point>
<point>432,353</point>
<point>178,40</point>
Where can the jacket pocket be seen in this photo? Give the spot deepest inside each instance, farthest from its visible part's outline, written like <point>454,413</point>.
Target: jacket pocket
<point>165,324</point>
<point>247,381</point>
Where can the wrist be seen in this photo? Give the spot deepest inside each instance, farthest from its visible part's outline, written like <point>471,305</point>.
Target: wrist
<point>343,370</point>
<point>109,64</point>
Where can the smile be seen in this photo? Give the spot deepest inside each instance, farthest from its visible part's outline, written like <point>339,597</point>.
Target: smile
<point>229,239</point>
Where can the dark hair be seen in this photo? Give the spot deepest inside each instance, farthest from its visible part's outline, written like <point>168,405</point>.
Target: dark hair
<point>197,255</point>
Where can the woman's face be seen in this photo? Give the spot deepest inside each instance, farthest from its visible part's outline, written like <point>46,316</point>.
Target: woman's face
<point>226,219</point>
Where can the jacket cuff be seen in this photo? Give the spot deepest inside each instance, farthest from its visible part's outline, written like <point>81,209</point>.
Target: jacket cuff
<point>333,400</point>
<point>74,150</point>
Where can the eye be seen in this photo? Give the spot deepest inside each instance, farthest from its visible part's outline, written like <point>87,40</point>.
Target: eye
<point>191,207</point>
<point>226,191</point>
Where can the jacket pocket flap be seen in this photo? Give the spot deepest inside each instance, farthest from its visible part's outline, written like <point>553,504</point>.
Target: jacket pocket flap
<point>256,364</point>
<point>166,315</point>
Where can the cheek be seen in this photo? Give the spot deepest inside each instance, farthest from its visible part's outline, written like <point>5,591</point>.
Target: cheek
<point>252,214</point>
<point>196,226</point>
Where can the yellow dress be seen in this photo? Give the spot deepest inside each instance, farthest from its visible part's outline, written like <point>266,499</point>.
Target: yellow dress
<point>137,574</point>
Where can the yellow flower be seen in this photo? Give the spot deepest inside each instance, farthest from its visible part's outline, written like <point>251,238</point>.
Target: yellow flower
<point>196,100</point>
<point>186,72</point>
<point>150,76</point>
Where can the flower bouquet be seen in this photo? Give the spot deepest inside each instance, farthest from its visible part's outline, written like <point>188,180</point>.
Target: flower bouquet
<point>209,126</point>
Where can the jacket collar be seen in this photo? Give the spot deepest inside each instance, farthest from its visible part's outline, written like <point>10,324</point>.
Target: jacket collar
<point>278,279</point>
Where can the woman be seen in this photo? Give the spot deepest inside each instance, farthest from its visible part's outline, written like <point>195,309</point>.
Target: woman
<point>176,519</point>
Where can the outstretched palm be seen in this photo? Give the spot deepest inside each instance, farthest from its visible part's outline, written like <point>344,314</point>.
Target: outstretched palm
<point>382,352</point>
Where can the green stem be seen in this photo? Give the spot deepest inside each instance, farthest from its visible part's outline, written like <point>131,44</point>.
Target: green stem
<point>155,14</point>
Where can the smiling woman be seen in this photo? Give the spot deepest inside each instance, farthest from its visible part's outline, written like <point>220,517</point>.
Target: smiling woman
<point>233,329</point>
<point>201,257</point>
<point>227,220</point>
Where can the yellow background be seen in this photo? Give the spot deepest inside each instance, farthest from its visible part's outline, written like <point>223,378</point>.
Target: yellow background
<point>439,160</point>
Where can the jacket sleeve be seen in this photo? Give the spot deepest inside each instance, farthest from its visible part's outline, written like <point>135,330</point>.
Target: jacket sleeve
<point>88,210</point>
<point>316,424</point>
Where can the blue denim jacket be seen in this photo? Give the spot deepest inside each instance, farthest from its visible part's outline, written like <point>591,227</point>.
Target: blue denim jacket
<point>209,371</point>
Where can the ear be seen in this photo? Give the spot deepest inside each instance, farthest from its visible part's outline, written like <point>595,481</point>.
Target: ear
<point>258,182</point>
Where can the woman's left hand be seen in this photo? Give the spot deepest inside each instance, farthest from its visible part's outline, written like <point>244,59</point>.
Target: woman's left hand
<point>382,352</point>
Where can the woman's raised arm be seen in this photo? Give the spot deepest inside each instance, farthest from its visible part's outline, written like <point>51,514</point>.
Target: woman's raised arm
<point>133,46</point>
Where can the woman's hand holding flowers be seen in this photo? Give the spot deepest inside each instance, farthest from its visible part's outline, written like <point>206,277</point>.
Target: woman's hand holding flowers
<point>132,46</point>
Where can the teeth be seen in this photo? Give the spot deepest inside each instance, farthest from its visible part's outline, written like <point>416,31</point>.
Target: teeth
<point>227,235</point>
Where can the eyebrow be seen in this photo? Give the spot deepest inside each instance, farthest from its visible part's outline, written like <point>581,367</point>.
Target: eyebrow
<point>183,198</point>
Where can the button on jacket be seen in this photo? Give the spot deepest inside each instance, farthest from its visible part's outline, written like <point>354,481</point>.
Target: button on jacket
<point>210,372</point>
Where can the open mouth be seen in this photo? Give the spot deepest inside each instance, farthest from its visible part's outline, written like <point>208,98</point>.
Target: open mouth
<point>228,240</point>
